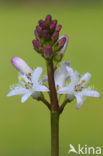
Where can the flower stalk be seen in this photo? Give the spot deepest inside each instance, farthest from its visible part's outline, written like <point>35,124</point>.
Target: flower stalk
<point>51,82</point>
<point>54,134</point>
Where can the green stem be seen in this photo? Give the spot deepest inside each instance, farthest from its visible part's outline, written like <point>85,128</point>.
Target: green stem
<point>54,134</point>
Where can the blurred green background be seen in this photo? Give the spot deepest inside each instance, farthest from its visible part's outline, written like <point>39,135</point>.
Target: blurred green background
<point>25,128</point>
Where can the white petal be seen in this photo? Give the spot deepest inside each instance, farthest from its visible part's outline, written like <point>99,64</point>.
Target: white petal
<point>85,78</point>
<point>36,75</point>
<point>41,88</point>
<point>25,97</point>
<point>80,101</point>
<point>91,93</point>
<point>61,75</point>
<point>18,91</point>
<point>63,90</point>
<point>70,71</point>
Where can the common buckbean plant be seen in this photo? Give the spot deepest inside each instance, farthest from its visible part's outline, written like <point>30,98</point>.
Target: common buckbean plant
<point>62,79</point>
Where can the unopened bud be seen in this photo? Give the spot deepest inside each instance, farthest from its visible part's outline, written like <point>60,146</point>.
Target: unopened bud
<point>48,51</point>
<point>45,34</point>
<point>36,34</point>
<point>55,36</point>
<point>44,26</point>
<point>52,27</point>
<point>21,65</point>
<point>37,45</point>
<point>40,22</point>
<point>58,27</point>
<point>62,44</point>
<point>39,29</point>
<point>48,19</point>
<point>54,22</point>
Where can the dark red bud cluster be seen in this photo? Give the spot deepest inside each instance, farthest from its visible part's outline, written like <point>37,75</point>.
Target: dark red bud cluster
<point>47,34</point>
<point>47,29</point>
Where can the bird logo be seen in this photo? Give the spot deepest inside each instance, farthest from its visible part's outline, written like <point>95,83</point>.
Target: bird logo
<point>72,149</point>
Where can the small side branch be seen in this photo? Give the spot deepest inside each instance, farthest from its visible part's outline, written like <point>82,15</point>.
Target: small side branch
<point>46,103</point>
<point>63,106</point>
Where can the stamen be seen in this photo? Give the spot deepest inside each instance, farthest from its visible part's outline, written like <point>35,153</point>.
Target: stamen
<point>22,79</point>
<point>83,81</point>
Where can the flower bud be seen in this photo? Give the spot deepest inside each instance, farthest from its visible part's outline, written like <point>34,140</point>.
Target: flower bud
<point>54,22</point>
<point>62,44</point>
<point>21,65</point>
<point>48,19</point>
<point>55,36</point>
<point>36,34</point>
<point>52,27</point>
<point>37,45</point>
<point>40,22</point>
<point>58,27</point>
<point>39,29</point>
<point>48,51</point>
<point>45,34</point>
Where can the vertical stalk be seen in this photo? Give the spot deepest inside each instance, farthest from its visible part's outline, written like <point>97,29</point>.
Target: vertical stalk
<point>53,94</point>
<point>54,134</point>
<point>54,110</point>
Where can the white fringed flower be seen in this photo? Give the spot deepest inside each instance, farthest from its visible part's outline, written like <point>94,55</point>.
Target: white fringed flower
<point>29,85</point>
<point>76,88</point>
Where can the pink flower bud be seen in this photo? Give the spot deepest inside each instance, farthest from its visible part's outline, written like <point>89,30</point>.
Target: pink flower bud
<point>36,34</point>
<point>45,34</point>
<point>37,45</point>
<point>39,29</point>
<point>58,27</point>
<point>52,27</point>
<point>48,19</point>
<point>54,22</point>
<point>55,36</point>
<point>62,44</point>
<point>48,51</point>
<point>41,22</point>
<point>21,65</point>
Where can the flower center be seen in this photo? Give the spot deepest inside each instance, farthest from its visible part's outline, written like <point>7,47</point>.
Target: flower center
<point>79,87</point>
<point>28,84</point>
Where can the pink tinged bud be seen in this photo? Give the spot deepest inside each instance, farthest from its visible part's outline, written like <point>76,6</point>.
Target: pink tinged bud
<point>48,19</point>
<point>37,45</point>
<point>45,34</point>
<point>44,26</point>
<point>62,42</point>
<point>36,34</point>
<point>48,51</point>
<point>55,36</point>
<point>58,27</point>
<point>40,22</point>
<point>39,29</point>
<point>54,22</point>
<point>21,65</point>
<point>52,27</point>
